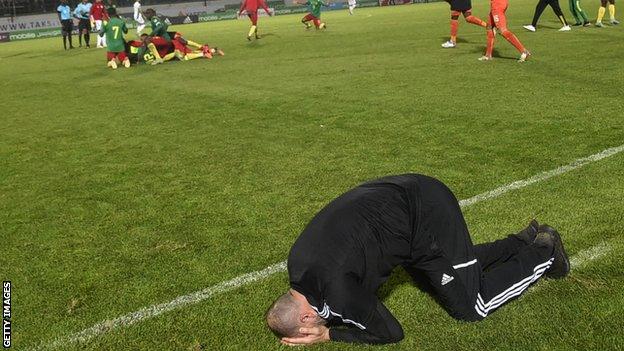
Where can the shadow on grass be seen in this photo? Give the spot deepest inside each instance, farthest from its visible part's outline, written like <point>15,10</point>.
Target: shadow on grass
<point>495,54</point>
<point>458,40</point>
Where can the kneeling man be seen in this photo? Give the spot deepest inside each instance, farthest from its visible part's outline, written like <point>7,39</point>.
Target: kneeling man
<point>349,249</point>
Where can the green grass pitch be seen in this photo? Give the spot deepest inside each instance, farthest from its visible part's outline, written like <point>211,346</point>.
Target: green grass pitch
<point>124,189</point>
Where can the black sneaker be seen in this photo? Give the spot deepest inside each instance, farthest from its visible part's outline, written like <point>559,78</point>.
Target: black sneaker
<point>528,234</point>
<point>561,265</point>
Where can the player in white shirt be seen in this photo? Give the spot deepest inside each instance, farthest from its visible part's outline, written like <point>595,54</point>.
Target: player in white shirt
<point>352,5</point>
<point>138,16</point>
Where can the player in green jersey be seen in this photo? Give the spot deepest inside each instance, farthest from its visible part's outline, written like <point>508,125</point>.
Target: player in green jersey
<point>114,30</point>
<point>159,28</point>
<point>314,15</point>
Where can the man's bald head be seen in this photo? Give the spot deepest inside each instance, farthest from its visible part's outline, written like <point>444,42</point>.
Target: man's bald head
<point>290,312</point>
<point>283,316</point>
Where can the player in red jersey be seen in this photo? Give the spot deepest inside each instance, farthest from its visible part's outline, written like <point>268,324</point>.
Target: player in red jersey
<point>183,48</point>
<point>499,21</point>
<point>251,9</point>
<point>97,15</point>
<point>461,7</point>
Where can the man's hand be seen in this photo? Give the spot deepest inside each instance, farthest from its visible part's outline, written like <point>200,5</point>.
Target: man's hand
<point>310,336</point>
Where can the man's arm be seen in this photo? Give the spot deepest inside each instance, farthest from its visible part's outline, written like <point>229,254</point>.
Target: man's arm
<point>382,328</point>
<point>366,319</point>
<point>243,3</point>
<point>58,12</point>
<point>265,7</point>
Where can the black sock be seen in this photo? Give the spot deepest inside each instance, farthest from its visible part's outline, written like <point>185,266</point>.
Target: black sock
<point>65,41</point>
<point>86,36</point>
<point>79,40</point>
<point>70,41</point>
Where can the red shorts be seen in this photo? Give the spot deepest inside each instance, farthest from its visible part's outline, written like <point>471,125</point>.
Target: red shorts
<point>111,55</point>
<point>497,14</point>
<point>163,46</point>
<point>253,17</point>
<point>310,17</point>
<point>179,46</point>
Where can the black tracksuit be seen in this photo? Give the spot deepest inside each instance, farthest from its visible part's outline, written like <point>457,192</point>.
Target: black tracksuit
<point>352,245</point>
<point>541,5</point>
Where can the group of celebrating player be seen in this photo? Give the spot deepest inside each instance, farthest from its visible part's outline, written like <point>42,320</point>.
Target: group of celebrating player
<point>157,47</point>
<point>498,22</point>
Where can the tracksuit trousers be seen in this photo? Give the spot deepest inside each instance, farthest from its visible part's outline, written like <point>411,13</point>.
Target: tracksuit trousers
<point>469,281</point>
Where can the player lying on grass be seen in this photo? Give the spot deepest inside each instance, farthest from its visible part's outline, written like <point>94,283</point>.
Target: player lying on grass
<point>463,7</point>
<point>154,50</point>
<point>183,48</point>
<point>114,30</point>
<point>314,6</point>
<point>349,249</point>
<point>250,8</point>
<point>498,20</point>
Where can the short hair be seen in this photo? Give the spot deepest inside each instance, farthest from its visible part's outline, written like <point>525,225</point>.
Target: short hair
<point>282,316</point>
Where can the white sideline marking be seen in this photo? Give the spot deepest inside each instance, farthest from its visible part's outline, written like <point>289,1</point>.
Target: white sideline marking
<point>593,253</point>
<point>542,176</point>
<point>580,260</point>
<point>198,296</point>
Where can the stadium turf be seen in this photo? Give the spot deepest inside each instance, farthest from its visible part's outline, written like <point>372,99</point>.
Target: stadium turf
<point>124,189</point>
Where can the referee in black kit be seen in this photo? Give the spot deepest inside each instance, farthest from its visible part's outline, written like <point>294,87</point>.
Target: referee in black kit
<point>349,249</point>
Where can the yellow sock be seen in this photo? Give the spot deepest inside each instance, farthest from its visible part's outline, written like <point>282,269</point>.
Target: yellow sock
<point>193,55</point>
<point>612,11</point>
<point>169,56</point>
<point>601,13</point>
<point>152,49</point>
<point>252,30</point>
<point>194,44</point>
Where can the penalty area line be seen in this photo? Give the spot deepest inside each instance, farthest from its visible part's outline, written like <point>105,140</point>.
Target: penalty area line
<point>248,278</point>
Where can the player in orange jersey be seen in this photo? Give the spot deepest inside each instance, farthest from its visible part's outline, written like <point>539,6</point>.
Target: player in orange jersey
<point>498,21</point>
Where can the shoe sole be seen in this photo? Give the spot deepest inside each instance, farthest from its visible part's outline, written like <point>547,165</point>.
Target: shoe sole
<point>559,249</point>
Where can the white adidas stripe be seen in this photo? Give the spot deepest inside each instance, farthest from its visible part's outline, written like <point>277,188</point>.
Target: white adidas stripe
<point>511,294</point>
<point>539,268</point>
<point>465,264</point>
<point>347,320</point>
<point>516,289</point>
<point>326,311</point>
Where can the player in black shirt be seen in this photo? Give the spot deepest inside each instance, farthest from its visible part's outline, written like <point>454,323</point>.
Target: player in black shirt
<point>349,249</point>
